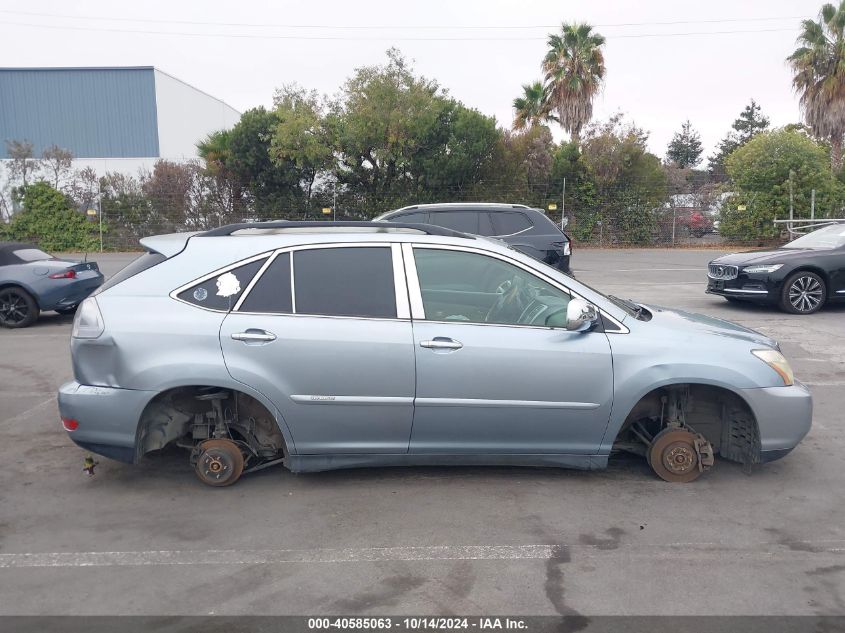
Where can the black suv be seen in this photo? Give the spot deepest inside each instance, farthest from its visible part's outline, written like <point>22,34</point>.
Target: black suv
<point>528,230</point>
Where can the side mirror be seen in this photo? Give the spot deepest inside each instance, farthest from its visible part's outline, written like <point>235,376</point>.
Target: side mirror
<point>580,315</point>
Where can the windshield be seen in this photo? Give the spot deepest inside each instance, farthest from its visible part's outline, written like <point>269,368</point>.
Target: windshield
<point>629,307</point>
<point>31,255</point>
<point>829,237</point>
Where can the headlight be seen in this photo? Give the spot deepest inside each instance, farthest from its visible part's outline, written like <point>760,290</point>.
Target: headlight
<point>776,361</point>
<point>762,269</point>
<point>88,322</point>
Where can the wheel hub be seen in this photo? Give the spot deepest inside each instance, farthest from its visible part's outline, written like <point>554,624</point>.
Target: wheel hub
<point>679,458</point>
<point>215,465</point>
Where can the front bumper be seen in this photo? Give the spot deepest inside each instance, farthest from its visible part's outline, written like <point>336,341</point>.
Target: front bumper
<point>784,416</point>
<point>108,418</point>
<point>753,287</point>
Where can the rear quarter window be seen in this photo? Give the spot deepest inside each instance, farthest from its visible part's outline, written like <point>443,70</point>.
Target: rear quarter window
<point>509,222</point>
<point>139,265</point>
<point>222,289</point>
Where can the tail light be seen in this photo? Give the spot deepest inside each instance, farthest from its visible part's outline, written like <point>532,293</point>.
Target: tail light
<point>66,274</point>
<point>88,322</point>
<point>70,424</point>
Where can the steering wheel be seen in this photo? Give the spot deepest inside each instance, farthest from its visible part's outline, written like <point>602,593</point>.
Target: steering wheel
<point>511,302</point>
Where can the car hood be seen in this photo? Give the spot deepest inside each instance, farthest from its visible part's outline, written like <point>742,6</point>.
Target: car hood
<point>694,323</point>
<point>768,256</point>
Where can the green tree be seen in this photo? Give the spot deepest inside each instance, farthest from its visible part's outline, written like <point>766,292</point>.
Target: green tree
<point>629,181</point>
<point>750,122</point>
<point>273,186</point>
<point>763,171</point>
<point>532,108</point>
<point>395,134</point>
<point>301,138</point>
<point>685,147</point>
<point>818,67</point>
<point>49,218</point>
<point>574,71</point>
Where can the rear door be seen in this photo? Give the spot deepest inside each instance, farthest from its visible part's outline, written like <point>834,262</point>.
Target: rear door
<point>324,332</point>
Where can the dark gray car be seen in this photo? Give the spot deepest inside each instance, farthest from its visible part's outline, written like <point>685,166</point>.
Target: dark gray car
<point>32,281</point>
<point>527,230</point>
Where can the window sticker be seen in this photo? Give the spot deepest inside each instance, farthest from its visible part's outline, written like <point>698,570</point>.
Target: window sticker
<point>228,285</point>
<point>200,294</point>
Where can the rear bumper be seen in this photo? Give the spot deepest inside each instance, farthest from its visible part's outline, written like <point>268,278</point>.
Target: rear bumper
<point>108,418</point>
<point>784,416</point>
<point>70,294</point>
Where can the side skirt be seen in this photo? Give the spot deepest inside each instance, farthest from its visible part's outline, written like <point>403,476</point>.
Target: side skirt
<point>317,463</point>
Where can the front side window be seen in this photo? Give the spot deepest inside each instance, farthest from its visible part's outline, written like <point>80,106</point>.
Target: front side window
<point>222,290</point>
<point>464,286</point>
<point>345,282</point>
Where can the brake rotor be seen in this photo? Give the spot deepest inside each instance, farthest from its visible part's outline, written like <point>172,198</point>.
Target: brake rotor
<point>674,457</point>
<point>220,462</point>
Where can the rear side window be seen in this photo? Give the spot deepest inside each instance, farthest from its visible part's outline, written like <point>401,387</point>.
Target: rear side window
<point>412,218</point>
<point>144,262</point>
<point>509,222</point>
<point>345,282</point>
<point>222,290</point>
<point>463,221</point>
<point>271,293</point>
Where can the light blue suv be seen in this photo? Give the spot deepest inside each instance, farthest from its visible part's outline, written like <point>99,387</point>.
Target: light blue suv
<point>336,345</point>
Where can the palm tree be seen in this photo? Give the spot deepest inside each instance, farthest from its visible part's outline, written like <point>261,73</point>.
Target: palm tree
<point>574,67</point>
<point>532,108</point>
<point>818,65</point>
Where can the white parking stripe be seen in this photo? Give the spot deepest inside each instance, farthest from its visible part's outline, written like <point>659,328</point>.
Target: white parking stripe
<point>256,557</point>
<point>37,407</point>
<point>766,550</point>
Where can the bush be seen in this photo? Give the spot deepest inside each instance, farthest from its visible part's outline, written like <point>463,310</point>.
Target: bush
<point>50,219</point>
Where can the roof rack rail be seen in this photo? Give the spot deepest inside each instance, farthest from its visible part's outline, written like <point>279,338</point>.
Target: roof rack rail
<point>378,227</point>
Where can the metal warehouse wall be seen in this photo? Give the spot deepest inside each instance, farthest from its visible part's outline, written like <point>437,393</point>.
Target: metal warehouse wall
<point>187,115</point>
<point>94,112</point>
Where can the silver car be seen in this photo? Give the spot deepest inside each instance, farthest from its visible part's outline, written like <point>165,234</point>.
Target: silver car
<point>349,344</point>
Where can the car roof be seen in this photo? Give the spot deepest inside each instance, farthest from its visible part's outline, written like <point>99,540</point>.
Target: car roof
<point>7,252</point>
<point>461,206</point>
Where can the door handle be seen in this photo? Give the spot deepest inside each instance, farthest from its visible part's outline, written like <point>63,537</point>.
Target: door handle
<point>254,336</point>
<point>441,342</point>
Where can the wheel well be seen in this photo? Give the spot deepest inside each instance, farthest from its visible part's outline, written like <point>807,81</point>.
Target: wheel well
<point>189,415</point>
<point>812,269</point>
<point>720,415</point>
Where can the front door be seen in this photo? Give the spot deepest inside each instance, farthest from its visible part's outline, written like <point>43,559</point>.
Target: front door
<point>496,370</point>
<point>324,334</point>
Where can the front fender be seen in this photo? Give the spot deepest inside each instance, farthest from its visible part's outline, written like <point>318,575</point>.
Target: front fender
<point>633,387</point>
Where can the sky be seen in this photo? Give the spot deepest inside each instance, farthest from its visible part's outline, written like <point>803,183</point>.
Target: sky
<point>667,60</point>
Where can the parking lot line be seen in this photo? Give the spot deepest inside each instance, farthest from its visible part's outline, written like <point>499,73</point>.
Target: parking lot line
<point>765,550</point>
<point>37,407</point>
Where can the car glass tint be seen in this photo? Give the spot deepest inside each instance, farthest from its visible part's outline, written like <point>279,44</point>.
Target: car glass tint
<point>345,282</point>
<point>509,222</point>
<point>31,255</point>
<point>271,293</point>
<point>223,289</point>
<point>412,218</point>
<point>463,221</point>
<point>485,225</point>
<point>139,265</point>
